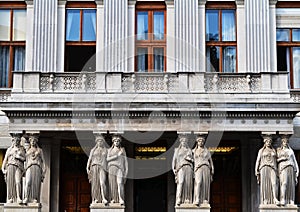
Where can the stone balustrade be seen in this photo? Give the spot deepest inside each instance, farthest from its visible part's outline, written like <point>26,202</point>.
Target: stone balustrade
<point>97,82</point>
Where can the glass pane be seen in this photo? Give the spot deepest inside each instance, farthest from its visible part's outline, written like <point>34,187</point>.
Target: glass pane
<point>212,25</point>
<point>296,34</point>
<point>19,25</point>
<point>89,25</point>
<point>73,25</point>
<point>228,25</point>
<point>282,34</point>
<point>142,59</point>
<point>229,59</point>
<point>158,59</point>
<point>283,58</point>
<point>296,67</point>
<point>4,25</point>
<point>213,56</point>
<point>142,26</point>
<point>4,64</point>
<point>19,58</point>
<point>159,27</point>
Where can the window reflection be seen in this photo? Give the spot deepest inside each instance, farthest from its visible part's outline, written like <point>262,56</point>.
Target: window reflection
<point>296,66</point>
<point>73,25</point>
<point>19,24</point>
<point>158,25</point>
<point>4,25</point>
<point>228,25</point>
<point>158,59</point>
<point>89,25</point>
<point>296,34</point>
<point>282,35</point>
<point>142,26</point>
<point>212,25</point>
<point>213,57</point>
<point>229,59</point>
<point>142,59</point>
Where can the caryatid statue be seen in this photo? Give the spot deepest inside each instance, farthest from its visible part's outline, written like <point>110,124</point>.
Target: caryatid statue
<point>182,166</point>
<point>203,172</point>
<point>96,169</point>
<point>288,172</point>
<point>266,172</point>
<point>35,171</point>
<point>117,170</point>
<point>13,169</point>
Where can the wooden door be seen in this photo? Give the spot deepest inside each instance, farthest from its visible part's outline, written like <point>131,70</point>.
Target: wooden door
<point>75,194</point>
<point>226,195</point>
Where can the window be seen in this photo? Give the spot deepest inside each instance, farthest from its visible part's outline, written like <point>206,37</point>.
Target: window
<point>12,41</point>
<point>150,37</point>
<point>288,54</point>
<point>80,37</point>
<point>221,38</point>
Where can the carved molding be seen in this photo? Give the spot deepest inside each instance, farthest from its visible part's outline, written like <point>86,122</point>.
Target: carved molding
<point>273,2</point>
<point>240,2</point>
<point>202,2</point>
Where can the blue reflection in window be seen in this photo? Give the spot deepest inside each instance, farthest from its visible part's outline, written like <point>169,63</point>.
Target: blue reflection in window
<point>142,59</point>
<point>229,59</point>
<point>158,59</point>
<point>73,25</point>
<point>296,66</point>
<point>212,25</point>
<point>142,26</point>
<point>228,25</point>
<point>89,25</point>
<point>282,34</point>
<point>296,35</point>
<point>159,27</point>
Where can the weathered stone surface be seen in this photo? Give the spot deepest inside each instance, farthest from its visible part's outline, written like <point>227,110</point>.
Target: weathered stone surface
<point>31,207</point>
<point>192,208</point>
<point>271,208</point>
<point>100,207</point>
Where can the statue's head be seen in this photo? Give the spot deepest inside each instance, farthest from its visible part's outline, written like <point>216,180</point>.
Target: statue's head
<point>267,140</point>
<point>183,139</point>
<point>200,139</point>
<point>285,140</point>
<point>16,139</point>
<point>33,139</point>
<point>99,139</point>
<point>116,139</point>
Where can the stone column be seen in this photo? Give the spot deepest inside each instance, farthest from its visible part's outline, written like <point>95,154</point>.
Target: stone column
<point>187,36</point>
<point>61,37</point>
<point>131,35</point>
<point>44,56</point>
<point>171,36</point>
<point>202,42</point>
<point>55,175</point>
<point>258,39</point>
<point>241,34</point>
<point>115,35</point>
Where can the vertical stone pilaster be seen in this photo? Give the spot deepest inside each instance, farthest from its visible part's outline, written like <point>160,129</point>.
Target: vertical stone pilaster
<point>44,57</point>
<point>258,39</point>
<point>171,41</point>
<point>202,32</point>
<point>187,35</point>
<point>241,34</point>
<point>61,35</point>
<point>100,37</point>
<point>131,35</point>
<point>115,35</point>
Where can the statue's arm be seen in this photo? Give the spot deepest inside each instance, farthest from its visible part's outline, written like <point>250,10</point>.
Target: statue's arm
<point>3,168</point>
<point>43,162</point>
<point>257,164</point>
<point>89,161</point>
<point>295,165</point>
<point>125,163</point>
<point>174,161</point>
<point>111,157</point>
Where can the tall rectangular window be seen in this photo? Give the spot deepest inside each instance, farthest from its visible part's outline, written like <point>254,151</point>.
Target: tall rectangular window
<point>80,37</point>
<point>150,37</point>
<point>288,54</point>
<point>221,38</point>
<point>12,41</point>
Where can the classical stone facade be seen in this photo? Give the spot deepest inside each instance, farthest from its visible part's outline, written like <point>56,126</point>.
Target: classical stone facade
<point>231,88</point>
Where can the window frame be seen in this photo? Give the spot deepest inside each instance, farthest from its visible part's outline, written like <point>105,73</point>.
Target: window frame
<point>81,6</point>
<point>290,45</point>
<point>221,44</point>
<point>12,6</point>
<point>151,43</point>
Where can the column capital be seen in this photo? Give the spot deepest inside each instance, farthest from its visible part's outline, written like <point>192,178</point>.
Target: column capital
<point>202,2</point>
<point>62,2</point>
<point>131,2</point>
<point>29,2</point>
<point>99,2</point>
<point>240,2</point>
<point>169,2</point>
<point>273,2</point>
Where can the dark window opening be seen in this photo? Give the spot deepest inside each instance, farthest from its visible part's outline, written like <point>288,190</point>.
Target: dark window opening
<point>80,58</point>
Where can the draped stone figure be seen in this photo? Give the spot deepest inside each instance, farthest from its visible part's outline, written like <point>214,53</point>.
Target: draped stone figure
<point>266,172</point>
<point>117,169</point>
<point>96,169</point>
<point>182,166</point>
<point>203,172</point>
<point>35,171</point>
<point>13,169</point>
<point>288,172</point>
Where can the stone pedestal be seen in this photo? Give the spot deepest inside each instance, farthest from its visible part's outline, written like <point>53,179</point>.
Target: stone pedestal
<point>275,208</point>
<point>192,208</point>
<point>30,207</point>
<point>100,207</point>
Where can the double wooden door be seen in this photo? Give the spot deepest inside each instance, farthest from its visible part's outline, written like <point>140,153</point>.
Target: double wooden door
<point>75,193</point>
